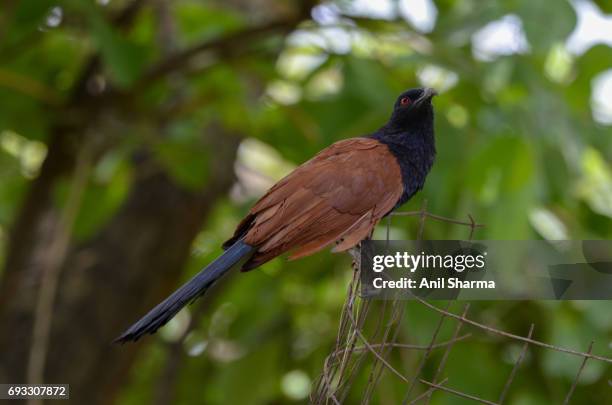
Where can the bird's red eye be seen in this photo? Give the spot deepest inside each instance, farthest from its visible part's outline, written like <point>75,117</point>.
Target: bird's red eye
<point>405,101</point>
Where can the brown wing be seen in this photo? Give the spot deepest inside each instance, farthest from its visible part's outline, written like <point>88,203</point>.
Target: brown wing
<point>337,196</point>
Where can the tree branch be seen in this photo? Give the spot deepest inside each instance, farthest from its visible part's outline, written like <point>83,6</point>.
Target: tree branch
<point>122,20</point>
<point>226,44</point>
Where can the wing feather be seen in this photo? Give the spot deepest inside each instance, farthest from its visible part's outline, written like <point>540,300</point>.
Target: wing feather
<point>337,196</point>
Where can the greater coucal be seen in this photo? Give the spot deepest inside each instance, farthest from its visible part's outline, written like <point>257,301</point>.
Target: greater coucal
<point>337,197</point>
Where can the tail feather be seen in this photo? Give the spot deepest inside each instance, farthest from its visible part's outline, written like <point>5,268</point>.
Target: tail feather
<point>187,293</point>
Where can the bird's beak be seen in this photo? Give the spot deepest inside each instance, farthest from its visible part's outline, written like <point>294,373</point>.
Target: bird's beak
<point>428,93</point>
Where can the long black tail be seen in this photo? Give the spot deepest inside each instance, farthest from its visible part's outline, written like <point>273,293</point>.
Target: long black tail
<point>163,312</point>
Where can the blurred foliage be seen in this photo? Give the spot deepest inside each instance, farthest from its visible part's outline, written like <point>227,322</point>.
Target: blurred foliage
<point>518,148</point>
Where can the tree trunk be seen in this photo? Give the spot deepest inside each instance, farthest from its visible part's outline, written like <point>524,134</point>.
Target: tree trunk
<point>135,259</point>
<point>109,281</point>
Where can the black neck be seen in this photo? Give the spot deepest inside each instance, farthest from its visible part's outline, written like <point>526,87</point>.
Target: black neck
<point>414,150</point>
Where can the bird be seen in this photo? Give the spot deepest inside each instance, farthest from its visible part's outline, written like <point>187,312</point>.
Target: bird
<point>335,198</point>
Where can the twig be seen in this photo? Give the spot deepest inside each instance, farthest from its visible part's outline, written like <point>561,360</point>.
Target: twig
<point>375,353</point>
<point>360,349</point>
<point>518,362</point>
<point>30,87</point>
<point>513,336</point>
<point>458,393</point>
<point>426,355</point>
<point>575,383</point>
<point>427,393</point>
<point>472,226</point>
<point>436,217</point>
<point>353,329</point>
<point>324,388</point>
<point>423,215</point>
<point>51,270</point>
<point>242,38</point>
<point>448,349</point>
<point>352,338</point>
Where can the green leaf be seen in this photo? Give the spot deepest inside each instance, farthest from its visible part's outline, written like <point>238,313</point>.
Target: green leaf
<point>199,21</point>
<point>123,58</point>
<point>25,19</point>
<point>596,60</point>
<point>546,23</point>
<point>508,156</point>
<point>186,162</point>
<point>604,5</point>
<point>105,192</point>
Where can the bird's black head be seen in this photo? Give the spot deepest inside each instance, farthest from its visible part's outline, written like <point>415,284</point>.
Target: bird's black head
<point>409,135</point>
<point>413,110</point>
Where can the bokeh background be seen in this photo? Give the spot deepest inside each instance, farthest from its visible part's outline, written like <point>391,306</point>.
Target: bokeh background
<point>134,134</point>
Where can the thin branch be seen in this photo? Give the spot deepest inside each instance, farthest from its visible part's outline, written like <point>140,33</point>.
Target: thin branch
<point>30,87</point>
<point>333,398</point>
<point>361,349</point>
<point>362,314</point>
<point>575,383</point>
<point>513,336</point>
<point>397,311</point>
<point>427,393</point>
<point>436,217</point>
<point>518,362</point>
<point>375,353</point>
<point>426,355</point>
<point>423,215</point>
<point>51,270</point>
<point>472,226</point>
<point>352,337</point>
<point>324,388</point>
<point>458,393</point>
<point>448,349</point>
<point>230,42</point>
<point>351,330</point>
